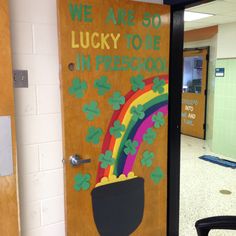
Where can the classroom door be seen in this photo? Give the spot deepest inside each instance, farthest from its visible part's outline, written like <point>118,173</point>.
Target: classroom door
<point>9,224</point>
<point>194,93</point>
<point>114,59</point>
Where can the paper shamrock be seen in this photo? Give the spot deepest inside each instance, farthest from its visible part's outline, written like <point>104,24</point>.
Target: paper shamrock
<point>158,85</point>
<point>157,175</point>
<point>147,158</point>
<point>106,159</point>
<point>158,120</point>
<point>117,129</point>
<point>116,101</point>
<point>78,87</point>
<point>91,110</point>
<point>130,147</point>
<point>149,136</point>
<point>137,82</point>
<point>94,135</point>
<point>137,113</point>
<point>82,182</point>
<point>102,85</point>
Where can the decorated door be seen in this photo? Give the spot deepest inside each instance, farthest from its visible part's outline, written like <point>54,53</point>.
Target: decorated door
<point>9,225</point>
<point>114,59</point>
<point>194,93</point>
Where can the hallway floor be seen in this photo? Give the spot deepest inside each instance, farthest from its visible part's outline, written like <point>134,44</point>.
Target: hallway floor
<point>201,182</point>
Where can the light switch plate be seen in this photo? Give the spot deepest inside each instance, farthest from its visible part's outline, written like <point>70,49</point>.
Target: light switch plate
<point>20,78</point>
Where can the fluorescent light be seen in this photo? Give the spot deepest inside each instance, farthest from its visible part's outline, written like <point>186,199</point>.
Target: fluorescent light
<point>191,16</point>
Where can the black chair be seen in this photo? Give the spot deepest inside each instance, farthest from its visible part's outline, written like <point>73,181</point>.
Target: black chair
<point>204,226</point>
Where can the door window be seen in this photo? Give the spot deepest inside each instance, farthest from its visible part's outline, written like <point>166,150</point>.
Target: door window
<point>192,81</point>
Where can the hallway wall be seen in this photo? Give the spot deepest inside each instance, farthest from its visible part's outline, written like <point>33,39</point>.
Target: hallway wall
<point>38,117</point>
<point>225,110</point>
<point>224,135</point>
<point>226,41</point>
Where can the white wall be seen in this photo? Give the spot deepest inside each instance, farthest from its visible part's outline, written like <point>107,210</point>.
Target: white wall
<point>226,41</point>
<point>38,117</point>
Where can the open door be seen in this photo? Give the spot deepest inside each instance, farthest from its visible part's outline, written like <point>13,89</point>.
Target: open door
<point>9,224</point>
<point>194,93</point>
<point>114,59</point>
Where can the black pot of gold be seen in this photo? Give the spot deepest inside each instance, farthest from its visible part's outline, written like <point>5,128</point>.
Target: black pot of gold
<point>118,207</point>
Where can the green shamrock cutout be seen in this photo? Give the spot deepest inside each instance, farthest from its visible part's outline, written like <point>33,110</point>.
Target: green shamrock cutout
<point>158,85</point>
<point>82,182</point>
<point>137,82</point>
<point>94,135</point>
<point>102,85</point>
<point>157,175</point>
<point>106,159</point>
<point>130,147</point>
<point>91,110</point>
<point>137,112</point>
<point>149,136</point>
<point>78,87</point>
<point>147,159</point>
<point>116,101</point>
<point>158,120</point>
<point>117,129</point>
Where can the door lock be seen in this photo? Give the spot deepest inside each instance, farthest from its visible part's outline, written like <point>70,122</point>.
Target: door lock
<point>76,160</point>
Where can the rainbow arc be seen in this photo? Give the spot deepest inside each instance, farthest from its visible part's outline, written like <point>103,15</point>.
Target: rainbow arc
<point>152,103</point>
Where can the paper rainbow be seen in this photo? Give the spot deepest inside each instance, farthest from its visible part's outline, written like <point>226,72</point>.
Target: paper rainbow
<point>153,103</point>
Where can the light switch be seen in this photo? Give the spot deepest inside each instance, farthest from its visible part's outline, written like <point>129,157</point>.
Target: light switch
<point>20,78</point>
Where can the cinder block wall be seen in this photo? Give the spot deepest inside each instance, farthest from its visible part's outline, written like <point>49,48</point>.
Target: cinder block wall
<point>38,117</point>
<point>224,130</point>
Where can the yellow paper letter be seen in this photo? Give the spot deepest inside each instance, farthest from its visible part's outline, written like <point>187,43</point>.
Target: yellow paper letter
<point>95,45</point>
<point>73,43</point>
<point>84,43</point>
<point>104,41</point>
<point>115,39</point>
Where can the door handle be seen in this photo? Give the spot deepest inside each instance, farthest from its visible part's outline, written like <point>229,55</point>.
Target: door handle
<point>76,160</point>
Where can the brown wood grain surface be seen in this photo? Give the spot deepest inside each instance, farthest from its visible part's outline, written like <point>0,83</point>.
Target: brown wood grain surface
<point>9,220</point>
<point>79,216</point>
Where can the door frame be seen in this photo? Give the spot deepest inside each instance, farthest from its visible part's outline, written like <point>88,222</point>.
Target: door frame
<point>175,96</point>
<point>207,48</point>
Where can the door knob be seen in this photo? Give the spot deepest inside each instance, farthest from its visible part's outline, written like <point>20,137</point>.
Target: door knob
<point>76,160</point>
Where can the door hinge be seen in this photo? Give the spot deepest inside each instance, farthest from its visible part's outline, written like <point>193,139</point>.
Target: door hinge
<point>207,57</point>
<point>205,92</point>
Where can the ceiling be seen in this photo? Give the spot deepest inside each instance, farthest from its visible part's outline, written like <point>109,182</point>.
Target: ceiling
<point>224,11</point>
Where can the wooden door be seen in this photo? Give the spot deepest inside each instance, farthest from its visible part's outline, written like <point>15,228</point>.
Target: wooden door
<point>194,93</point>
<point>9,224</point>
<point>114,59</point>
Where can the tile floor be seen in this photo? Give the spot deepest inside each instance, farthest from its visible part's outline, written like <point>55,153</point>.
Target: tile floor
<point>201,183</point>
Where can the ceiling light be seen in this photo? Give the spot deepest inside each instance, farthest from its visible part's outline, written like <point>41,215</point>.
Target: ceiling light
<point>192,16</point>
